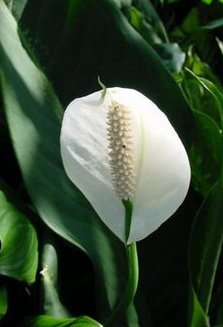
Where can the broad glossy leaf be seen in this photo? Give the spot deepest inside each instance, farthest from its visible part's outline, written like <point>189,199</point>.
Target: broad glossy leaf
<point>205,246</point>
<point>115,51</point>
<point>48,321</point>
<point>18,256</point>
<point>34,118</point>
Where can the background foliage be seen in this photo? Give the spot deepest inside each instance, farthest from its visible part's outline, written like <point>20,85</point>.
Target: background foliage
<point>52,52</point>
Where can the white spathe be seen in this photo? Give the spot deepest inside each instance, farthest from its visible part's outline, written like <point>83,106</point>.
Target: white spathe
<point>161,163</point>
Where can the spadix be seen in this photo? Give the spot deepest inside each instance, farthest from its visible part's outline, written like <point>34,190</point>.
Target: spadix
<point>121,146</point>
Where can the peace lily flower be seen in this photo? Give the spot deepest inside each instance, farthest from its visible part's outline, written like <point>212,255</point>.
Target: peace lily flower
<point>120,146</point>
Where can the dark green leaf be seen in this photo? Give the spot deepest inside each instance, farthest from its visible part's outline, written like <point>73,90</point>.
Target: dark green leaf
<point>51,302</point>
<point>150,27</point>
<point>213,24</point>
<point>47,321</point>
<point>34,117</point>
<point>112,49</point>
<point>210,134</point>
<point>144,14</point>
<point>3,302</point>
<point>205,246</point>
<point>218,303</point>
<point>202,40</point>
<point>209,99</point>
<point>18,256</point>
<point>171,55</point>
<point>196,315</point>
<point>144,25</point>
<point>206,153</point>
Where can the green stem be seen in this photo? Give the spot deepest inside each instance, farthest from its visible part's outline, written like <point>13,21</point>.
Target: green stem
<point>133,271</point>
<point>131,287</point>
<point>128,217</point>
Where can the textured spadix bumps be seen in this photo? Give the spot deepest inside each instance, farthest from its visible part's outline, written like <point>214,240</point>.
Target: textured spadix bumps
<point>122,146</point>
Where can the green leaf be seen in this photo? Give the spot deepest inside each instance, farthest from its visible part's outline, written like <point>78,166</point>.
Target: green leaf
<point>119,55</point>
<point>34,117</point>
<point>171,55</point>
<point>147,23</point>
<point>207,2</point>
<point>213,24</point>
<point>16,7</point>
<point>211,99</point>
<point>206,153</point>
<point>47,321</point>
<point>143,16</point>
<point>205,246</point>
<point>51,301</point>
<point>3,302</point>
<point>217,95</point>
<point>19,255</point>
<point>196,315</point>
<point>201,40</point>
<point>210,134</point>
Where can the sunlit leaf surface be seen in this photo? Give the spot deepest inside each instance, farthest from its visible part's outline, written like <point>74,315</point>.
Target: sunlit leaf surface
<point>18,255</point>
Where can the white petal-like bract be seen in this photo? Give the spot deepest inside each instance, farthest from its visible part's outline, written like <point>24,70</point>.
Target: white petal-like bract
<point>158,162</point>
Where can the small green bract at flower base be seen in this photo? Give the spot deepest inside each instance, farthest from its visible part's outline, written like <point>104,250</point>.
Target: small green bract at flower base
<point>121,146</point>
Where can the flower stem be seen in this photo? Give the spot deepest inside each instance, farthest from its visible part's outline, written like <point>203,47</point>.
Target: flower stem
<point>133,273</point>
<point>131,287</point>
<point>128,217</point>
